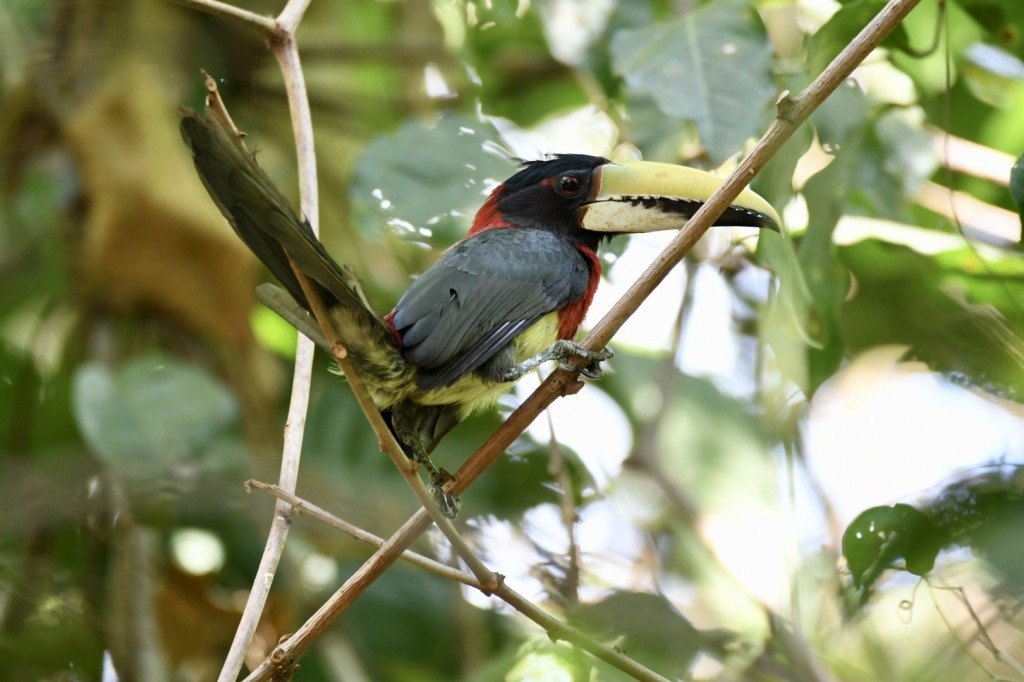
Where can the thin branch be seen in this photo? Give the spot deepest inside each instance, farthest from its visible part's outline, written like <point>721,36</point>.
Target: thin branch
<point>287,53</point>
<point>284,48</point>
<point>558,469</point>
<point>279,36</point>
<point>556,628</point>
<point>289,18</point>
<point>261,22</point>
<point>288,56</point>
<point>301,506</point>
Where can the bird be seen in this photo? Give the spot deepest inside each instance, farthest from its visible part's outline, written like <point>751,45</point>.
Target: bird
<point>508,297</point>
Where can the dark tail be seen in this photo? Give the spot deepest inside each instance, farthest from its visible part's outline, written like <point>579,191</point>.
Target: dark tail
<point>266,222</point>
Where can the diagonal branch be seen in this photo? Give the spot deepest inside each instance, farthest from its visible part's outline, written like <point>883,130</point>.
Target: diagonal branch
<point>554,627</point>
<point>304,507</point>
<point>261,22</point>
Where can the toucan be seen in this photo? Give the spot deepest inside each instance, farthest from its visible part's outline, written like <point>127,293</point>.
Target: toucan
<point>497,304</point>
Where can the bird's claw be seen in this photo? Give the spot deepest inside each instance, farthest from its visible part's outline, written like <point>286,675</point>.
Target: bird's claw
<point>593,358</point>
<point>447,502</point>
<point>438,480</point>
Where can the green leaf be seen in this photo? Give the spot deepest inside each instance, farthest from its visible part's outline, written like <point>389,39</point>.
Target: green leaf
<point>412,618</point>
<point>646,627</point>
<point>840,116</point>
<point>711,66</point>
<point>956,307</point>
<point>784,319</point>
<point>931,64</point>
<point>427,180</point>
<point>827,194</point>
<point>881,536</point>
<point>158,426</point>
<point>518,482</point>
<point>705,438</point>
<point>1002,20</point>
<point>1017,190</point>
<point>838,31</point>
<point>990,72</point>
<point>984,509</point>
<point>151,405</point>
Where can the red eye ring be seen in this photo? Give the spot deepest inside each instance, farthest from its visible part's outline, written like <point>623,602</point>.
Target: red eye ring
<point>569,185</point>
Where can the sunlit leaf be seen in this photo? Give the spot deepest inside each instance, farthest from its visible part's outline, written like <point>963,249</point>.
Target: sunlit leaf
<point>990,72</point>
<point>881,536</point>
<point>1017,190</point>
<point>428,180</point>
<point>985,511</point>
<point>956,307</point>
<point>646,627</point>
<point>827,194</point>
<point>710,66</point>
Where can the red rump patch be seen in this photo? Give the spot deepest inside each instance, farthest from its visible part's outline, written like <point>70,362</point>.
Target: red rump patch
<point>571,316</point>
<point>489,217</point>
<point>390,320</point>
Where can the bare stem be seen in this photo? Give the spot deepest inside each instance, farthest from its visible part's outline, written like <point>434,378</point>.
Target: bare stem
<point>558,469</point>
<point>279,34</point>
<point>554,627</point>
<point>301,506</point>
<point>260,22</point>
<point>289,18</point>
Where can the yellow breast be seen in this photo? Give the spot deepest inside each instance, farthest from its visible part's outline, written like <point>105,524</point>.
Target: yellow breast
<point>473,394</point>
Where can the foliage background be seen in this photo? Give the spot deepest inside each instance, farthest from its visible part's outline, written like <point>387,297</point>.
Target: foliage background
<point>140,384</point>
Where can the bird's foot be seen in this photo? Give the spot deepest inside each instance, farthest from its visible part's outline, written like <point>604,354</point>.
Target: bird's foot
<point>447,502</point>
<point>563,351</point>
<point>594,358</point>
<point>438,480</point>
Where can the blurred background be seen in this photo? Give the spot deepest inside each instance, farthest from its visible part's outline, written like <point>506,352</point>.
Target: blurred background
<point>803,463</point>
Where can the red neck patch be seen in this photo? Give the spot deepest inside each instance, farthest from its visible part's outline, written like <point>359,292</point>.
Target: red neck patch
<point>571,316</point>
<point>489,217</point>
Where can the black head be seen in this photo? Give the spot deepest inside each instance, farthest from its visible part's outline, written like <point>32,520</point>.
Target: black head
<point>588,198</point>
<point>547,193</point>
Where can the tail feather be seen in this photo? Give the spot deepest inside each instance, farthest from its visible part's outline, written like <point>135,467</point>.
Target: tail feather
<point>273,231</point>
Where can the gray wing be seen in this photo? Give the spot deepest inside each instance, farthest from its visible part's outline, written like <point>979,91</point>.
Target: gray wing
<point>483,293</point>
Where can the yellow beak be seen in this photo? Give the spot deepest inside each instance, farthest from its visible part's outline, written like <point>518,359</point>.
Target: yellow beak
<point>645,196</point>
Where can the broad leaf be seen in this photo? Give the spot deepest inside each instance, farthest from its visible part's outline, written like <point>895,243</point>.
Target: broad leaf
<point>646,627</point>
<point>991,73</point>
<point>711,66</point>
<point>158,425</point>
<point>1017,190</point>
<point>882,536</point>
<point>428,180</point>
<point>956,307</point>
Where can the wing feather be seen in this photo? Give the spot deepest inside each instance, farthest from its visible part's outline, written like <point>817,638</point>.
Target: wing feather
<point>481,295</point>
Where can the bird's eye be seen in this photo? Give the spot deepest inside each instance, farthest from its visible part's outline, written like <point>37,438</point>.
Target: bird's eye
<point>569,185</point>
